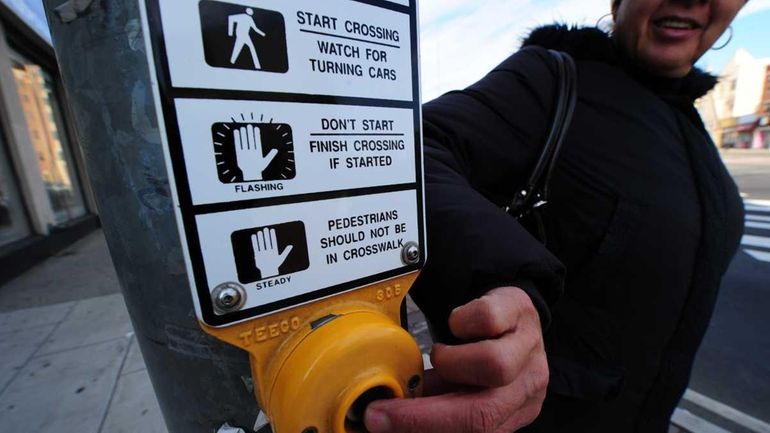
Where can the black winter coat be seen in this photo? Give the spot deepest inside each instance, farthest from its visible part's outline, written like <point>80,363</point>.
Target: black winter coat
<point>643,216</point>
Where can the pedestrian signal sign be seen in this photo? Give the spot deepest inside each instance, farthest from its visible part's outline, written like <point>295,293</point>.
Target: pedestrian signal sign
<point>292,139</point>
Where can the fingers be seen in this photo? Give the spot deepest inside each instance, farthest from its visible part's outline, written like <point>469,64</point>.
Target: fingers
<point>463,412</point>
<point>441,414</point>
<point>434,384</point>
<point>273,238</point>
<point>487,363</point>
<point>496,385</point>
<point>237,139</point>
<point>495,410</point>
<point>247,138</point>
<point>261,242</point>
<point>490,316</point>
<point>265,240</point>
<point>249,133</point>
<point>256,138</point>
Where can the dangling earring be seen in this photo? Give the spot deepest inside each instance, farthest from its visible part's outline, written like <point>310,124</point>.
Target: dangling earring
<point>729,39</point>
<point>609,28</point>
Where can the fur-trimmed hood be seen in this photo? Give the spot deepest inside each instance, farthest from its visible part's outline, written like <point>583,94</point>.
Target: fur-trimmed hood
<point>591,43</point>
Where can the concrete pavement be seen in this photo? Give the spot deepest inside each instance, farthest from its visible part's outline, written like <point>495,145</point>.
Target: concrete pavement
<point>68,358</point>
<point>69,362</point>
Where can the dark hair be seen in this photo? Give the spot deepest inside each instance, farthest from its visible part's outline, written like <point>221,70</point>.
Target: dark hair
<point>615,6</point>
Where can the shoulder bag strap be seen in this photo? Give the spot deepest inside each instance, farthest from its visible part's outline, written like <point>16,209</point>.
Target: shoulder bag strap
<point>535,192</point>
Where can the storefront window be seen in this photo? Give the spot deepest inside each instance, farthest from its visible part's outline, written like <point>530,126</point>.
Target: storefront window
<point>46,129</point>
<point>13,219</point>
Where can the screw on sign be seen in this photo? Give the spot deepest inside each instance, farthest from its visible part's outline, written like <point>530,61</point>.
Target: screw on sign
<point>411,253</point>
<point>229,297</point>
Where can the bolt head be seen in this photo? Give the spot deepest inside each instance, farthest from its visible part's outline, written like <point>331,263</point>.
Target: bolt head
<point>410,255</point>
<point>228,297</point>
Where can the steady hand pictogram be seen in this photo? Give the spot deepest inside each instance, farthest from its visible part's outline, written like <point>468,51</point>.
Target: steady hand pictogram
<point>266,255</point>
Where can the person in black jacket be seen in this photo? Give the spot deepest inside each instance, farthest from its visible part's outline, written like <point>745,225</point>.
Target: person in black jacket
<point>643,216</point>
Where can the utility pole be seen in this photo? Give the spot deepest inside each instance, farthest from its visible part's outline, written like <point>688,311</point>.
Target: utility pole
<point>200,382</point>
<point>296,184</point>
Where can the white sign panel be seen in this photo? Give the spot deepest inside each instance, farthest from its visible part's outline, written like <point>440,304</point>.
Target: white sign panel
<point>296,249</point>
<point>309,148</point>
<point>290,46</point>
<point>292,136</point>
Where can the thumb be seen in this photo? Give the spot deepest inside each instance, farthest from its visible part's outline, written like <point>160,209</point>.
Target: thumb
<point>267,159</point>
<point>270,156</point>
<point>439,414</point>
<point>286,251</point>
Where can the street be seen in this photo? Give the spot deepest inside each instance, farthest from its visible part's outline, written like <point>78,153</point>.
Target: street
<point>730,384</point>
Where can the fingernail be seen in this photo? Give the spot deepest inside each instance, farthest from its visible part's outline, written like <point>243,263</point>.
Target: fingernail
<point>376,421</point>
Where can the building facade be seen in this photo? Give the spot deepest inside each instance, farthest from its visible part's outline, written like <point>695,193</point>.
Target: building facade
<point>736,111</point>
<point>762,134</point>
<point>45,201</point>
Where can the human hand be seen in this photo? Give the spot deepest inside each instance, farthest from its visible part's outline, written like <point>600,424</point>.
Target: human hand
<point>494,383</point>
<point>248,152</point>
<point>266,255</point>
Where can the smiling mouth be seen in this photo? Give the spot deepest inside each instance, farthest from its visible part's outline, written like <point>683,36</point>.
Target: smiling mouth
<point>677,23</point>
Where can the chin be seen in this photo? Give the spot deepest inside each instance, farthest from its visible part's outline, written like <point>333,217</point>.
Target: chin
<point>668,63</point>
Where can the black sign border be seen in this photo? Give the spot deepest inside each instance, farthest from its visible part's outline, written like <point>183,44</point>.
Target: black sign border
<point>188,211</point>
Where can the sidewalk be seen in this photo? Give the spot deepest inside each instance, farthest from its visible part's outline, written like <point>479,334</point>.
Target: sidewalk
<point>69,362</point>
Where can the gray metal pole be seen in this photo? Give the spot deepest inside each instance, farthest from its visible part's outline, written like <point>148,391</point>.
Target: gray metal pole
<point>200,382</point>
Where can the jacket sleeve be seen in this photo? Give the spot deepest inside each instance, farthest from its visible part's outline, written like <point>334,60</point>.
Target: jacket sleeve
<point>479,145</point>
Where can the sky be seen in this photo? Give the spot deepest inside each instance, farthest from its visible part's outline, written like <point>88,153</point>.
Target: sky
<point>460,40</point>
<point>31,11</point>
<point>463,39</point>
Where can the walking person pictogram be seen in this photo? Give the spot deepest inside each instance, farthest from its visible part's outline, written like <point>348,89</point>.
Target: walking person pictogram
<point>240,26</point>
<point>248,38</point>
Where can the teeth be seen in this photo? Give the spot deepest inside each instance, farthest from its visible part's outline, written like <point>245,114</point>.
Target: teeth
<point>676,24</point>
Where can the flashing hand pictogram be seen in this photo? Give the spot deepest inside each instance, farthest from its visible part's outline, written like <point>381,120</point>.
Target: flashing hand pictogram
<point>248,152</point>
<point>266,255</point>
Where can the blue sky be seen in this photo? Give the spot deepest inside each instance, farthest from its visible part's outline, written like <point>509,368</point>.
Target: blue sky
<point>31,11</point>
<point>462,39</point>
<point>751,32</point>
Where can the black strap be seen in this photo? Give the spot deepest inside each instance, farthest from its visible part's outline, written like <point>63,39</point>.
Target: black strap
<point>535,192</point>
